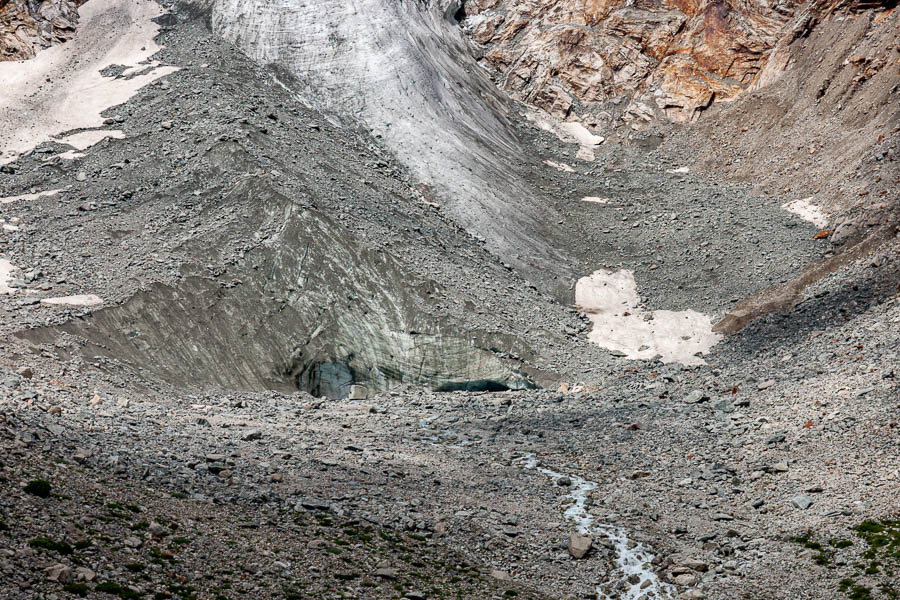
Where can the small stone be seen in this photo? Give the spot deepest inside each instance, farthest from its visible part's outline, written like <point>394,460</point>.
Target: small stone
<point>386,573</point>
<point>25,372</point>
<point>251,435</point>
<point>312,504</point>
<point>776,438</point>
<point>415,596</point>
<point>60,573</point>
<point>133,542</point>
<point>214,468</point>
<point>696,565</point>
<point>157,530</point>
<point>686,580</point>
<point>96,400</point>
<point>500,575</point>
<point>579,545</point>
<point>358,392</point>
<point>696,397</point>
<point>166,125</point>
<point>55,410</point>
<point>802,501</point>
<point>84,574</point>
<point>563,482</point>
<point>722,517</point>
<point>81,176</point>
<point>724,406</point>
<point>766,384</point>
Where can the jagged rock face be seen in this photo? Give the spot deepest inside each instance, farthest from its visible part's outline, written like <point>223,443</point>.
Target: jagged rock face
<point>29,26</point>
<point>668,56</point>
<point>651,58</point>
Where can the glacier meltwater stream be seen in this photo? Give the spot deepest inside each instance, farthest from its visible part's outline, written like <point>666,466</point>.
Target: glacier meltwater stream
<point>636,579</point>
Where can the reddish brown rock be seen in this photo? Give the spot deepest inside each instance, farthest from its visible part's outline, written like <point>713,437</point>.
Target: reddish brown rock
<point>666,58</point>
<point>669,58</point>
<point>27,27</point>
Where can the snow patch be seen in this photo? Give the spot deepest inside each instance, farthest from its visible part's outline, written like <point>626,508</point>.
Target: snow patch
<point>33,196</point>
<point>807,211</point>
<point>70,155</point>
<point>569,132</point>
<point>86,139</point>
<point>559,166</point>
<point>610,300</point>
<point>61,88</point>
<point>6,270</point>
<point>79,300</point>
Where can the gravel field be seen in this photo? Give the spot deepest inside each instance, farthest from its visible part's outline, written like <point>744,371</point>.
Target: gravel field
<point>281,368</point>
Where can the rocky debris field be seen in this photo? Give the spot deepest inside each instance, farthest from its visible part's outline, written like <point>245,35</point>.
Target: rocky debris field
<point>135,465</point>
<point>75,529</point>
<point>729,474</point>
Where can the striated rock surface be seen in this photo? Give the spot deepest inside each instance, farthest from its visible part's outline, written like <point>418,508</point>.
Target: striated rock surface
<point>27,27</point>
<point>642,59</point>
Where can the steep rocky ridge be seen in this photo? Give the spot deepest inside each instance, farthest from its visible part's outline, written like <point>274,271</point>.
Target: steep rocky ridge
<point>824,121</point>
<point>807,96</point>
<point>642,61</point>
<point>824,129</point>
<point>670,58</point>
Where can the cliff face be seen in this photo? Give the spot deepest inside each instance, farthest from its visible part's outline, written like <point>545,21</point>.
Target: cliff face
<point>29,26</point>
<point>666,59</point>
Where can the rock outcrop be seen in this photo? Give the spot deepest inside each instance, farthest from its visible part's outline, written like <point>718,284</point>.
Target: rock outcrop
<point>644,59</point>
<point>28,27</point>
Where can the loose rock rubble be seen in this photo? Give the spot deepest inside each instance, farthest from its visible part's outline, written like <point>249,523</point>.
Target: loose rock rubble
<point>164,443</point>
